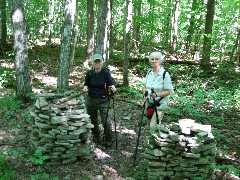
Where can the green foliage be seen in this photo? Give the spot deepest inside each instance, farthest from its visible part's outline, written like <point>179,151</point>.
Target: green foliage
<point>141,171</point>
<point>21,154</point>
<point>7,77</point>
<point>130,93</point>
<point>230,169</point>
<point>37,158</point>
<point>9,106</point>
<point>6,169</point>
<point>41,174</point>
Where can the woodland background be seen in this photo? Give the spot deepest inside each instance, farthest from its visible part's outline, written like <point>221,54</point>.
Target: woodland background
<point>46,46</point>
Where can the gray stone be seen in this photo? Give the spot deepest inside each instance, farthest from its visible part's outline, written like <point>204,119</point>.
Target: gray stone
<point>192,155</point>
<point>59,120</point>
<point>77,124</point>
<point>44,126</point>
<point>158,153</point>
<point>157,164</point>
<point>41,102</point>
<point>69,161</point>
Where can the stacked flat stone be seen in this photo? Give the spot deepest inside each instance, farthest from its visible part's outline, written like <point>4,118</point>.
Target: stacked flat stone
<point>183,150</point>
<point>61,129</point>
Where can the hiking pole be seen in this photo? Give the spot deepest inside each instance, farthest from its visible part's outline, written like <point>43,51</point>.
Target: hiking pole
<point>139,130</point>
<point>107,117</point>
<point>115,124</point>
<point>155,105</point>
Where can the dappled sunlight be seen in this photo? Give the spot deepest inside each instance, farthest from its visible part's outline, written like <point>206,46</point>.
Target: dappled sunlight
<point>127,154</point>
<point>99,154</point>
<point>112,172</point>
<point>7,65</point>
<point>113,68</point>
<point>44,41</point>
<point>125,130</point>
<point>45,80</point>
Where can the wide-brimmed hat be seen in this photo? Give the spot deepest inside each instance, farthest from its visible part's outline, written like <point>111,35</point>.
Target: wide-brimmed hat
<point>97,57</point>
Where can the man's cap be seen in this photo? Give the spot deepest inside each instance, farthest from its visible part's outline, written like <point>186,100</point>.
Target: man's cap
<point>97,57</point>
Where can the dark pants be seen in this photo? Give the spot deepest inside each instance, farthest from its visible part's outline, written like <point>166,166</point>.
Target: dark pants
<point>93,107</point>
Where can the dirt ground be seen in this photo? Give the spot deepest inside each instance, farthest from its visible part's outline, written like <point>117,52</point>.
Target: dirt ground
<point>115,163</point>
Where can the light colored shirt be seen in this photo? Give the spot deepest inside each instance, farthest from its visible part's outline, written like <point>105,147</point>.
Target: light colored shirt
<point>156,82</point>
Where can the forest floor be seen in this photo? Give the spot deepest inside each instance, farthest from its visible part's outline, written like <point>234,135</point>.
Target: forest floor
<point>110,164</point>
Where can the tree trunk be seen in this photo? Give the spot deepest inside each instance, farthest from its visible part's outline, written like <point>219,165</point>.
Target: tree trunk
<point>174,30</point>
<point>167,26</point>
<point>191,25</point>
<point>136,26</point>
<point>90,28</point>
<point>20,51</point>
<point>3,23</point>
<point>63,71</point>
<point>51,20</point>
<point>236,47</point>
<point>152,22</point>
<point>111,39</point>
<point>75,36</point>
<point>101,35</point>
<point>127,42</point>
<point>108,29</point>
<point>205,63</point>
<point>238,53</point>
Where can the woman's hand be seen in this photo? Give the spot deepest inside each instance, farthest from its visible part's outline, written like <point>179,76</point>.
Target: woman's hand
<point>113,88</point>
<point>154,95</point>
<point>85,89</point>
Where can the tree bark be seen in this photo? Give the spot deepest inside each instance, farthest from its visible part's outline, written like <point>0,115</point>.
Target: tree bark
<point>174,30</point>
<point>236,47</point>
<point>21,51</point>
<point>136,26</point>
<point>3,23</point>
<point>51,20</point>
<point>191,27</point>
<point>127,42</point>
<point>205,63</point>
<point>75,36</point>
<point>101,35</point>
<point>167,26</point>
<point>63,71</point>
<point>90,28</point>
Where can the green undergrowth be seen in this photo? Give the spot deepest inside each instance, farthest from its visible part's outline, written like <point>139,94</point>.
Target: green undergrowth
<point>12,113</point>
<point>7,78</point>
<point>6,169</point>
<point>208,99</point>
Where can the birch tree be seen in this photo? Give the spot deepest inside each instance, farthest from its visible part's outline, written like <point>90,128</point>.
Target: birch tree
<point>174,28</point>
<point>103,28</point>
<point>90,28</point>
<point>63,71</point>
<point>127,42</point>
<point>20,51</point>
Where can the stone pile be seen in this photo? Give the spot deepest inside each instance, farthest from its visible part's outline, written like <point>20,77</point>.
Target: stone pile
<point>61,129</point>
<point>183,150</point>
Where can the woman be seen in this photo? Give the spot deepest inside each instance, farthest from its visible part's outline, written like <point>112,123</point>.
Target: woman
<point>158,86</point>
<point>97,81</point>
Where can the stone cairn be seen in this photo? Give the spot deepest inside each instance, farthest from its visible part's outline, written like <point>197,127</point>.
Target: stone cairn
<point>61,128</point>
<point>180,151</point>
